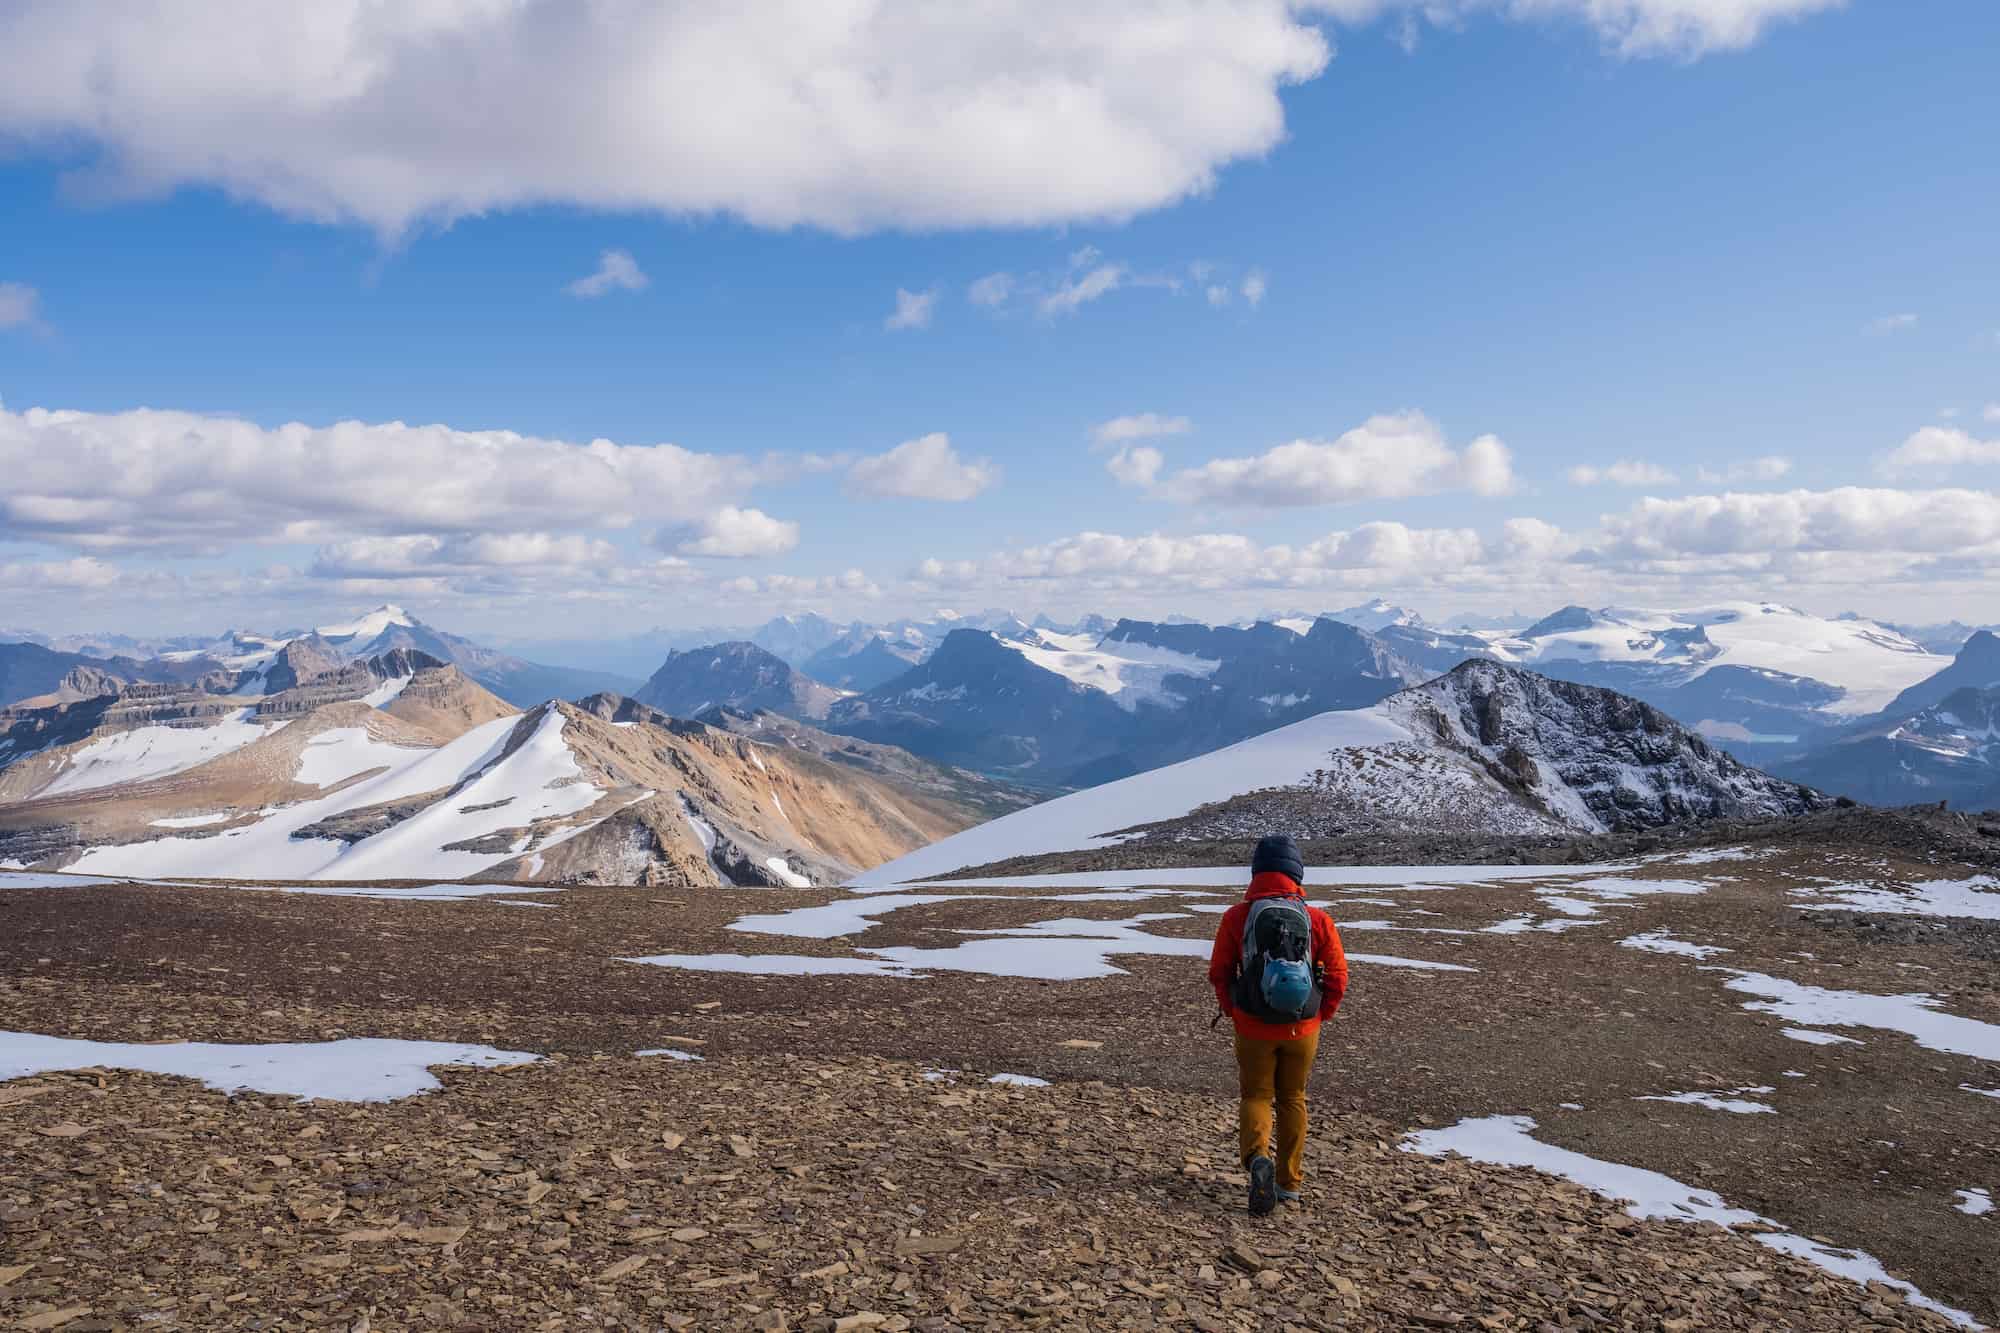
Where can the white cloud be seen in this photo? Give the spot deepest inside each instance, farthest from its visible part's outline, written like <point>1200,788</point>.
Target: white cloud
<point>1768,468</point>
<point>82,574</point>
<point>616,270</point>
<point>731,533</point>
<point>1849,520</point>
<point>1991,412</point>
<point>851,117</point>
<point>913,310</point>
<point>1080,289</point>
<point>161,478</point>
<point>18,305</point>
<point>1681,29</point>
<point>1937,447</point>
<point>1386,457</point>
<point>850,583</point>
<point>1625,472</point>
<point>1254,287</point>
<point>991,290</point>
<point>1139,426</point>
<point>926,468</point>
<point>1892,323</point>
<point>425,555</point>
<point>1136,465</point>
<point>1217,294</point>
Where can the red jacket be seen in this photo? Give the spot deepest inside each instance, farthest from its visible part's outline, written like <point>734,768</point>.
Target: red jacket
<point>1326,952</point>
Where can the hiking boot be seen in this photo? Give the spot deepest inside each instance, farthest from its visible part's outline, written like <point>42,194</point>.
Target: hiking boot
<point>1263,1185</point>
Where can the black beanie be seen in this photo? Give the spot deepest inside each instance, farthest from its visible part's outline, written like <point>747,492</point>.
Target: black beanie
<point>1277,851</point>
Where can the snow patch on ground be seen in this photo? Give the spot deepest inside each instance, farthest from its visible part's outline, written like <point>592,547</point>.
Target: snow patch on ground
<point>1978,897</point>
<point>1019,1081</point>
<point>1973,1202</point>
<point>1812,1038</point>
<point>1916,1016</point>
<point>423,893</point>
<point>1738,1104</point>
<point>35,879</point>
<point>847,916</point>
<point>1659,941</point>
<point>355,1069</point>
<point>193,821</point>
<point>1983,1092</point>
<point>1504,1140</point>
<point>672,1054</point>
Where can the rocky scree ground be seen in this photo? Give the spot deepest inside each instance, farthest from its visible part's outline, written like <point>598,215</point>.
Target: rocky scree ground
<point>783,1192</point>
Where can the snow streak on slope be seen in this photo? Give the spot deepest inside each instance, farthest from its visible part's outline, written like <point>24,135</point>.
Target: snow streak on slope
<point>1087,818</point>
<point>154,752</point>
<point>538,780</point>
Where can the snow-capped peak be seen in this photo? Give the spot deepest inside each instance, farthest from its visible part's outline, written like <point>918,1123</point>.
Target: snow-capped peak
<point>370,625</point>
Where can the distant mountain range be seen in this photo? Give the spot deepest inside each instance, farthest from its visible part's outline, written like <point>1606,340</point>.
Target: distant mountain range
<point>1054,706</point>
<point>262,663</point>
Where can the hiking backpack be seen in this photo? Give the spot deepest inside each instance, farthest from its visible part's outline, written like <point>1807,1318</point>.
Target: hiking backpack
<point>1275,979</point>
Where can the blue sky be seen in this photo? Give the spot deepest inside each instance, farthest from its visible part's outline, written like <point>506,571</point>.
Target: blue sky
<point>1744,247</point>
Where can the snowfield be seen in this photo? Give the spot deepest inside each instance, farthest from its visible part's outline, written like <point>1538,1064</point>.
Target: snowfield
<point>1870,661</point>
<point>1131,673</point>
<point>155,752</point>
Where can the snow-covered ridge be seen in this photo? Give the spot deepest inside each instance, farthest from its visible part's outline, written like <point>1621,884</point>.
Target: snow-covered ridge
<point>1509,749</point>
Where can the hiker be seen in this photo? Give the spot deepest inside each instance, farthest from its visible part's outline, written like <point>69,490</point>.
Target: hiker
<point>1278,972</point>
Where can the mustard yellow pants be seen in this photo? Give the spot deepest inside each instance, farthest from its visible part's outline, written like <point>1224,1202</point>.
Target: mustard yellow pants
<point>1268,1072</point>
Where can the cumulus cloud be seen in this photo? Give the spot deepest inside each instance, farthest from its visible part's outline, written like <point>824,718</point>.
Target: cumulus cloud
<point>1139,426</point>
<point>731,533</point>
<point>926,468</point>
<point>1892,323</point>
<point>851,583</point>
<point>1991,412</point>
<point>162,478</point>
<point>1254,287</point>
<point>1625,472</point>
<point>1387,457</point>
<point>1768,468</point>
<point>1136,465</point>
<point>1936,447</point>
<point>84,573</point>
<point>18,305</point>
<point>616,271</point>
<point>991,290</point>
<point>913,310</point>
<point>1848,520</point>
<point>425,555</point>
<point>785,112</point>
